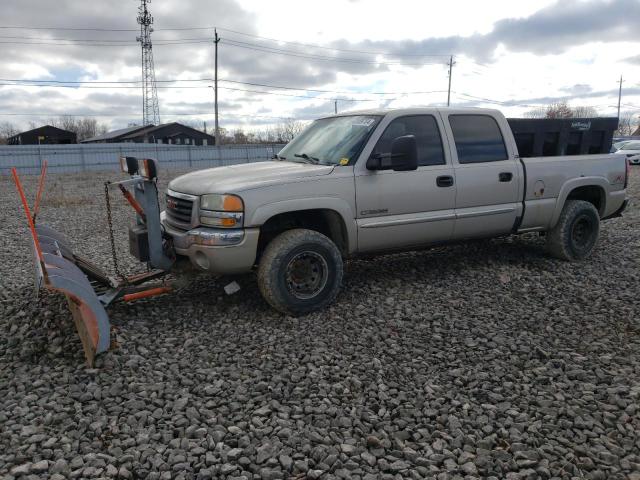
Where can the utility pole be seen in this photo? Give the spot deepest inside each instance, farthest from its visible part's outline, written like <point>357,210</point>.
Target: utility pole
<point>215,86</point>
<point>335,106</point>
<point>619,98</point>
<point>451,64</point>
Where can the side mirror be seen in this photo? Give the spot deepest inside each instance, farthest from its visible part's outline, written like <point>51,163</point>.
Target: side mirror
<point>404,153</point>
<point>403,156</point>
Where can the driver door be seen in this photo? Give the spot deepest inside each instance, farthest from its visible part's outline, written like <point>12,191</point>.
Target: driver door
<point>397,209</point>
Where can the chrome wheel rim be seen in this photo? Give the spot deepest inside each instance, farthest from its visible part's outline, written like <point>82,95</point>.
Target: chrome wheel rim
<point>306,275</point>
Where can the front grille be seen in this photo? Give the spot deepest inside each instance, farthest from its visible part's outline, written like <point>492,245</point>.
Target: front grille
<point>179,211</point>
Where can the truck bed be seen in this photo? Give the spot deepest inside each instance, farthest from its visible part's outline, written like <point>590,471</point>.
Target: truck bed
<point>550,179</point>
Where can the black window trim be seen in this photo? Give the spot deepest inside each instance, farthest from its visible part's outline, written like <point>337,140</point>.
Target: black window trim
<point>442,139</point>
<point>453,137</point>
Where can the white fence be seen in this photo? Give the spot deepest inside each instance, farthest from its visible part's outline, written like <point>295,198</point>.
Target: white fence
<point>104,156</point>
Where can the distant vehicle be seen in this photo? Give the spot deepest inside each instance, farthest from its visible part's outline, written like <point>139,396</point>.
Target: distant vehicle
<point>618,145</point>
<point>631,149</point>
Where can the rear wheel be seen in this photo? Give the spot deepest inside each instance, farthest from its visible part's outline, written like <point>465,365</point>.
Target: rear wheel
<point>576,233</point>
<point>300,271</point>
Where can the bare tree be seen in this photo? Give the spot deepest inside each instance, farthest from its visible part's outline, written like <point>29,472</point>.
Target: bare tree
<point>559,110</point>
<point>627,125</point>
<point>539,112</point>
<point>562,110</point>
<point>7,130</point>
<point>85,127</point>
<point>288,130</point>
<point>584,112</point>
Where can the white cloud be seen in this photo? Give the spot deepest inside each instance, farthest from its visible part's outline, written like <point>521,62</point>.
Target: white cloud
<point>513,52</point>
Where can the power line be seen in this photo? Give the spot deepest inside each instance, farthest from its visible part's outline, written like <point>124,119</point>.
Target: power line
<point>292,53</point>
<point>89,29</point>
<point>254,84</point>
<point>229,31</point>
<point>197,87</point>
<point>331,48</point>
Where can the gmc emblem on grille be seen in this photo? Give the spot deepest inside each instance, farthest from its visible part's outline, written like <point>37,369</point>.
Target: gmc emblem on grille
<point>171,203</point>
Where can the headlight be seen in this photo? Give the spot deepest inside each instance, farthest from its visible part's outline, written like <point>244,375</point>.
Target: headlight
<point>223,211</point>
<point>221,203</point>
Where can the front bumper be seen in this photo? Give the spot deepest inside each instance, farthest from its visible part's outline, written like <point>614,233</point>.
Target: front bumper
<point>216,250</point>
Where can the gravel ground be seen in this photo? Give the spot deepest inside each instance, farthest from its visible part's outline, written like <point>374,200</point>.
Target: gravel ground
<point>475,361</point>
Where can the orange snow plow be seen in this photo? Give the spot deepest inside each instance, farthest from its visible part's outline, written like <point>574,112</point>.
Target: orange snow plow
<point>87,288</point>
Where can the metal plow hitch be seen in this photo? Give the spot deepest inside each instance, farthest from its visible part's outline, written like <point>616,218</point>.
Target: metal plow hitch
<point>87,288</point>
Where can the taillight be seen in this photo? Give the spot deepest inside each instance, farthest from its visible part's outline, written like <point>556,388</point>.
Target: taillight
<point>627,170</point>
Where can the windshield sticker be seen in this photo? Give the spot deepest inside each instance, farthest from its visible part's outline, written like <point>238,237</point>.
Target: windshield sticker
<point>365,122</point>
<point>344,161</point>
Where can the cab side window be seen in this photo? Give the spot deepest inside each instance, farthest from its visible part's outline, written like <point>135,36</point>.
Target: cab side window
<point>427,133</point>
<point>478,139</point>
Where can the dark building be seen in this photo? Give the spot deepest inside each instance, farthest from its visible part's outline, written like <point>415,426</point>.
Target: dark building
<point>548,137</point>
<point>168,133</point>
<point>46,135</point>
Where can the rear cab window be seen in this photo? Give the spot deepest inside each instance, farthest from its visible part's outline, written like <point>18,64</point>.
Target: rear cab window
<point>478,139</point>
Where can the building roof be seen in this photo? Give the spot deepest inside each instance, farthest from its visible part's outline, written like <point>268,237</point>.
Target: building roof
<point>152,128</point>
<point>35,130</point>
<point>116,133</point>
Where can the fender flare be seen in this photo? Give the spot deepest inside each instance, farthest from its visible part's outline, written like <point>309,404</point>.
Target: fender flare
<point>571,185</point>
<point>341,207</point>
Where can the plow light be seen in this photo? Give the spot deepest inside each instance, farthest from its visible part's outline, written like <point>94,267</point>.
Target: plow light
<point>129,165</point>
<point>146,168</point>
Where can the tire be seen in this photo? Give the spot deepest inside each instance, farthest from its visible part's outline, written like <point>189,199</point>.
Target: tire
<point>576,234</point>
<point>300,272</point>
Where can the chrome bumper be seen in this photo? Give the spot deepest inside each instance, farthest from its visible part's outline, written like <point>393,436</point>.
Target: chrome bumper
<point>216,250</point>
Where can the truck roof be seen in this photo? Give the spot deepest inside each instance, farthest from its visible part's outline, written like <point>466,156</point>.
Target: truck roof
<point>410,110</point>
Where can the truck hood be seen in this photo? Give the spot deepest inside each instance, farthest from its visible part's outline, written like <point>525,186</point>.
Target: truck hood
<point>235,178</point>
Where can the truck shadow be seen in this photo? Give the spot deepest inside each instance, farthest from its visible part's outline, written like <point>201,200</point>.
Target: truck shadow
<point>453,259</point>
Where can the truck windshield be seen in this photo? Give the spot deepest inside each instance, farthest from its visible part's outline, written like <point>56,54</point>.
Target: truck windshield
<point>331,141</point>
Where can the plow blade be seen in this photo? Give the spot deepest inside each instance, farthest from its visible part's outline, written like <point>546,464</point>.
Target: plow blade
<point>58,272</point>
<point>56,269</point>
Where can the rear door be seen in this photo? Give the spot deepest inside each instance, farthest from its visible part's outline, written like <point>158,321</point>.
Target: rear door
<point>406,208</point>
<point>487,176</point>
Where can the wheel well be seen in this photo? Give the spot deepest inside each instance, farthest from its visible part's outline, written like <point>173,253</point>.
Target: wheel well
<point>590,193</point>
<point>328,222</point>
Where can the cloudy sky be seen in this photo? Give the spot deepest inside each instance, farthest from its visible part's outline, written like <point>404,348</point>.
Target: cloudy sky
<point>514,55</point>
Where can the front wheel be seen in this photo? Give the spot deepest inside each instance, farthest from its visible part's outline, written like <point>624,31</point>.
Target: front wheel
<point>575,235</point>
<point>300,272</point>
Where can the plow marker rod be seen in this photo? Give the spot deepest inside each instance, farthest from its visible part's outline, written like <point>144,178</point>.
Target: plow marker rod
<point>152,292</point>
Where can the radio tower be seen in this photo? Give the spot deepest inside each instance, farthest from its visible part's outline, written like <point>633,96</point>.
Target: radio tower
<point>150,110</point>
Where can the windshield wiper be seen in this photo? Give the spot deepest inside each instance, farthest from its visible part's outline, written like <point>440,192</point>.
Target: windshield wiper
<point>278,157</point>
<point>309,159</point>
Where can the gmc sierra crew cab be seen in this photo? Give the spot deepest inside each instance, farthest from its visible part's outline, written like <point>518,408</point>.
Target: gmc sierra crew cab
<point>384,180</point>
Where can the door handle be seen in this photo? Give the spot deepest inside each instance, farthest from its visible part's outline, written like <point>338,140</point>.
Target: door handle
<point>444,181</point>
<point>505,176</point>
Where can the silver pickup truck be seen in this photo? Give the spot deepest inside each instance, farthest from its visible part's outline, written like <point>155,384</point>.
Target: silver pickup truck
<point>379,181</point>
